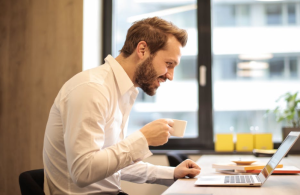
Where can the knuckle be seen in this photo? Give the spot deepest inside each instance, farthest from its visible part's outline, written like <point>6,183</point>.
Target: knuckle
<point>166,134</point>
<point>166,127</point>
<point>165,121</point>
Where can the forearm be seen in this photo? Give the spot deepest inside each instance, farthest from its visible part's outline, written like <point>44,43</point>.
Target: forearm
<point>147,173</point>
<point>98,165</point>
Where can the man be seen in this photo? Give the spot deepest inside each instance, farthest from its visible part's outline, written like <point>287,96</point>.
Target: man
<point>85,149</point>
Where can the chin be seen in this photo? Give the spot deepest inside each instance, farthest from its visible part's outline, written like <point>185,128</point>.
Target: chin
<point>150,92</point>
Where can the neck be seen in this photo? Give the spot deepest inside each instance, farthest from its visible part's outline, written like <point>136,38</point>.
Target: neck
<point>129,64</point>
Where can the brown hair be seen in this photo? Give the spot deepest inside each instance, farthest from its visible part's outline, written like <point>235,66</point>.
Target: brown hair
<point>154,31</point>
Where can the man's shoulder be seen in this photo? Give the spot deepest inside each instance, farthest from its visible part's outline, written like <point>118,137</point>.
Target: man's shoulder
<point>100,74</point>
<point>99,78</point>
<point>96,75</point>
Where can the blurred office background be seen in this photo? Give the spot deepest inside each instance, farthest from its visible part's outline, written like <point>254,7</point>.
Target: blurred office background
<point>255,57</point>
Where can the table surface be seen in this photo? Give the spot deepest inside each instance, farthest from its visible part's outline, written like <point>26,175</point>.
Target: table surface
<point>275,184</point>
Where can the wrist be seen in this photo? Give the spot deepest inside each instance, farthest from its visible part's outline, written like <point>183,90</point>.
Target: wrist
<point>175,178</point>
<point>175,175</point>
<point>145,137</point>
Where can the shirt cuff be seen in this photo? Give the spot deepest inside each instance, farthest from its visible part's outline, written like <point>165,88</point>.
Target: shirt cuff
<point>138,146</point>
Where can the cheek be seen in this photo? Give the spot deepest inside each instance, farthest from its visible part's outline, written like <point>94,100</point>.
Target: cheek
<point>160,69</point>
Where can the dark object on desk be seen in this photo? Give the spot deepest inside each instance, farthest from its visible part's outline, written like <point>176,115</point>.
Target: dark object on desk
<point>296,147</point>
<point>175,158</point>
<point>32,182</point>
<point>122,193</point>
<point>264,153</point>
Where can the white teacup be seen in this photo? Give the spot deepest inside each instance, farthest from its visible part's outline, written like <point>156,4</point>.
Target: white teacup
<point>178,128</point>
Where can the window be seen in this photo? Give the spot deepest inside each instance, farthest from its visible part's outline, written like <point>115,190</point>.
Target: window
<point>274,14</point>
<point>184,87</point>
<point>228,15</point>
<point>232,14</point>
<point>250,52</point>
<point>291,13</point>
<point>253,65</point>
<point>276,68</point>
<point>294,67</point>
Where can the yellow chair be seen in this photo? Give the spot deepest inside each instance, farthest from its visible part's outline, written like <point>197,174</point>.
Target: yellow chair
<point>263,141</point>
<point>244,142</point>
<point>224,143</point>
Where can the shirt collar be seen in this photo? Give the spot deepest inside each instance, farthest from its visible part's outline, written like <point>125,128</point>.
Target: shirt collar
<point>123,80</point>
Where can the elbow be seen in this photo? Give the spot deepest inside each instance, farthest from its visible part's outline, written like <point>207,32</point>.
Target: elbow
<point>82,182</point>
<point>84,177</point>
<point>84,171</point>
<point>79,177</point>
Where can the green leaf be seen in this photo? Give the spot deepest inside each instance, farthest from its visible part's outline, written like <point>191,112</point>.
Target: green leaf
<point>290,113</point>
<point>280,119</point>
<point>290,117</point>
<point>282,96</point>
<point>276,110</point>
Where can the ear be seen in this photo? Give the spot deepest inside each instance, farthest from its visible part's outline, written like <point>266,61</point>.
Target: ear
<point>142,49</point>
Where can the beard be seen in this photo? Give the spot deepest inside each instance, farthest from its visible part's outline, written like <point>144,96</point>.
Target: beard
<point>146,76</point>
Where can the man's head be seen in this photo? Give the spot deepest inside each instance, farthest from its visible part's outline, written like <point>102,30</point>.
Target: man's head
<point>157,44</point>
<point>154,31</point>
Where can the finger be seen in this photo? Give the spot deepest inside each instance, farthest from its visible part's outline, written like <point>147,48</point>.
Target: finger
<point>170,122</point>
<point>171,130</point>
<point>192,164</point>
<point>169,135</point>
<point>193,172</point>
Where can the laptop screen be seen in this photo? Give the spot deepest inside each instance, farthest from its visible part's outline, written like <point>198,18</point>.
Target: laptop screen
<point>280,153</point>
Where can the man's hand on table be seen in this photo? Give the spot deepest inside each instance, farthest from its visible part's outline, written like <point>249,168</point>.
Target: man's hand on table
<point>186,168</point>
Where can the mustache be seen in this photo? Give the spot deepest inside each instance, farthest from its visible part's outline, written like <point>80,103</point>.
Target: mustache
<point>163,77</point>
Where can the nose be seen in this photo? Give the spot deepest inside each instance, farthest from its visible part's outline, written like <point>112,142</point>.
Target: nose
<point>170,74</point>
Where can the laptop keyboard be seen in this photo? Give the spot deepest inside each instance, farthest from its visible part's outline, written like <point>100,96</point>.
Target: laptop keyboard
<point>239,179</point>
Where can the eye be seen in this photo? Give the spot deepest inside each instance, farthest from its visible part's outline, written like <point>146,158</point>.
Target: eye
<point>169,64</point>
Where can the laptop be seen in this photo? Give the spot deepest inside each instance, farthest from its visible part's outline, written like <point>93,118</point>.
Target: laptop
<point>252,180</point>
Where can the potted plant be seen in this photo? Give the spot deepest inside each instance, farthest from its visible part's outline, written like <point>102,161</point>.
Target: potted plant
<point>288,112</point>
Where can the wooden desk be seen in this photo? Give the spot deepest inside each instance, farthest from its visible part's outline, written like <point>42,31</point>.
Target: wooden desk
<point>275,184</point>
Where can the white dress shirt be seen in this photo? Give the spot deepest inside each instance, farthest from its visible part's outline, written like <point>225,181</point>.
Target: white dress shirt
<point>85,149</point>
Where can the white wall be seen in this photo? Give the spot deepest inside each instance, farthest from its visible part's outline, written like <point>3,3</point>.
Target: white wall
<point>92,34</point>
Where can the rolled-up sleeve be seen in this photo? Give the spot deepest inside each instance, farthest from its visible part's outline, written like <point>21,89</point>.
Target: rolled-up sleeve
<point>84,111</point>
